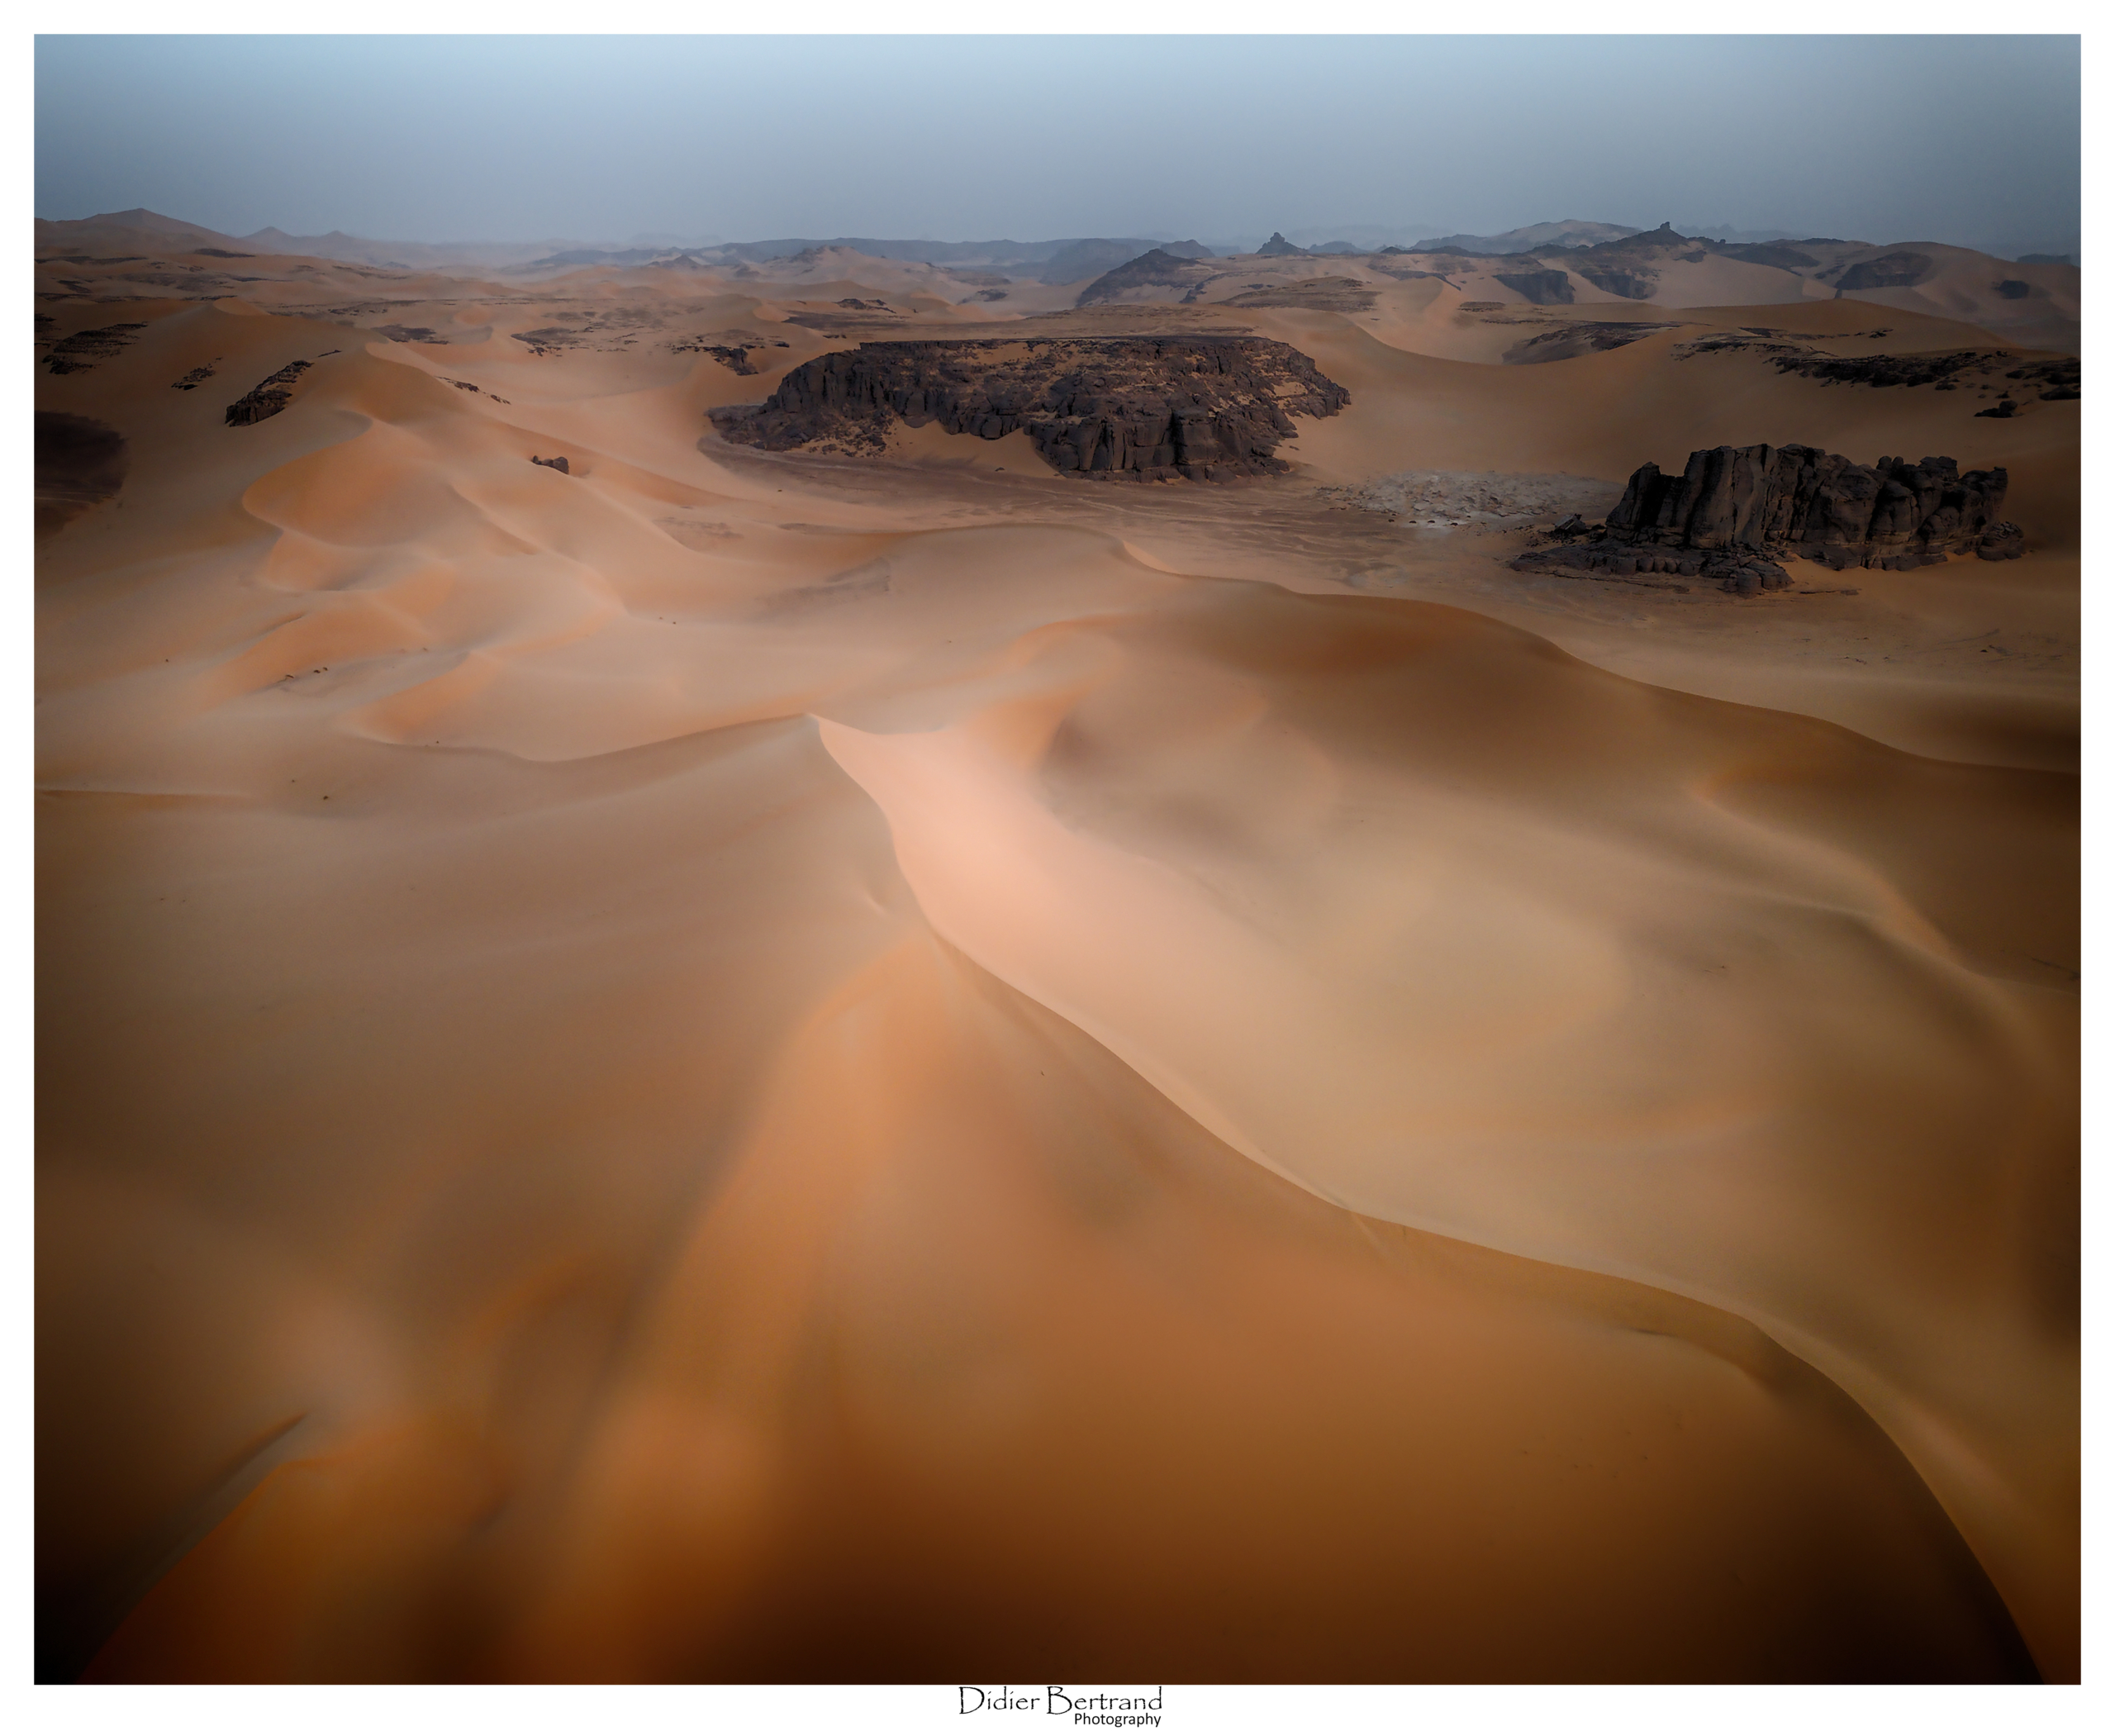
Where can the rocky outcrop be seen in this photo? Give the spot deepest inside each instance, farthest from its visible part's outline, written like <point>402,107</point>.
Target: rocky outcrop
<point>558,464</point>
<point>1157,270</point>
<point>1897,270</point>
<point>1734,508</point>
<point>1326,295</point>
<point>1771,253</point>
<point>267,397</point>
<point>1928,369</point>
<point>1817,504</point>
<point>1277,247</point>
<point>1580,554</point>
<point>79,352</point>
<point>2004,540</point>
<point>1544,288</point>
<point>1579,337</point>
<point>1632,286</point>
<point>1154,408</point>
<point>1944,370</point>
<point>1087,258</point>
<point>2061,378</point>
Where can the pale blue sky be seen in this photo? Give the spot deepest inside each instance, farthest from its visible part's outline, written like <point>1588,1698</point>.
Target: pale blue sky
<point>1968,139</point>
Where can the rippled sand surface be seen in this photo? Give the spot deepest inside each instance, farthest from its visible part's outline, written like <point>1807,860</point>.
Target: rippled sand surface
<point>738,1067</point>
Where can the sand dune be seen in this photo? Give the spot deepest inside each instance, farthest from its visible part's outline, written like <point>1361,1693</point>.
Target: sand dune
<point>745,1066</point>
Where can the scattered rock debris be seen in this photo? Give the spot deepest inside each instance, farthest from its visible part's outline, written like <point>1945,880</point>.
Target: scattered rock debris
<point>79,352</point>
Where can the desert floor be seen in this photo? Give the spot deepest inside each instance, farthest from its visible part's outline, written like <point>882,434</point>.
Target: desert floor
<point>735,1066</point>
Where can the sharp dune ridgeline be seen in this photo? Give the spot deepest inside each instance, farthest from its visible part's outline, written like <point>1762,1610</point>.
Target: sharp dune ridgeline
<point>700,1019</point>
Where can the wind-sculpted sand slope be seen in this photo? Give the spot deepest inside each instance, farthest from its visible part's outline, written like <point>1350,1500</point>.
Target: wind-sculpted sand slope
<point>677,1071</point>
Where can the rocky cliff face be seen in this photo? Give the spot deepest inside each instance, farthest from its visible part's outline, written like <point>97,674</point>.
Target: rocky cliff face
<point>1817,504</point>
<point>1207,409</point>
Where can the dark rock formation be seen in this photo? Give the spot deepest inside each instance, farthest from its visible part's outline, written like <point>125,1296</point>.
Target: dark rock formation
<point>2014,290</point>
<point>2004,540</point>
<point>267,397</point>
<point>1544,288</point>
<point>544,341</point>
<point>1944,370</point>
<point>1817,504</point>
<point>82,351</point>
<point>1209,409</point>
<point>1330,295</point>
<point>1743,572</point>
<point>1771,253</point>
<point>1578,338</point>
<point>2060,377</point>
<point>1632,286</point>
<point>2004,410</point>
<point>1157,269</point>
<point>194,380</point>
<point>1278,246</point>
<point>1897,270</point>
<point>732,356</point>
<point>557,464</point>
<point>222,252</point>
<point>1732,509</point>
<point>1888,370</point>
<point>1077,260</point>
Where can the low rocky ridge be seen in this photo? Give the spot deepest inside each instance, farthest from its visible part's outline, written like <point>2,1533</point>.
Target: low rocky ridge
<point>1900,270</point>
<point>1209,409</point>
<point>1581,337</point>
<point>1733,509</point>
<point>267,397</point>
<point>79,352</point>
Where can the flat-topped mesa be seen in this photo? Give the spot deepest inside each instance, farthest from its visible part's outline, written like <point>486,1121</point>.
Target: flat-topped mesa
<point>1820,505</point>
<point>1209,409</point>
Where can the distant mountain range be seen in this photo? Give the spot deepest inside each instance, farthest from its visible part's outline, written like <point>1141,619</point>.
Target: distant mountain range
<point>1569,232</point>
<point>1064,260</point>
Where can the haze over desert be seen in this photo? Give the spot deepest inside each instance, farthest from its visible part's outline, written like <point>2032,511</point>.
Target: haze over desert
<point>1083,959</point>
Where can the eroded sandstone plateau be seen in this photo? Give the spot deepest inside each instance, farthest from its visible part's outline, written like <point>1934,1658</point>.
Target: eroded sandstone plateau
<point>1207,409</point>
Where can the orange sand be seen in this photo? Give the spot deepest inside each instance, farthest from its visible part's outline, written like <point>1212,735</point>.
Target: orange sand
<point>742,1067</point>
